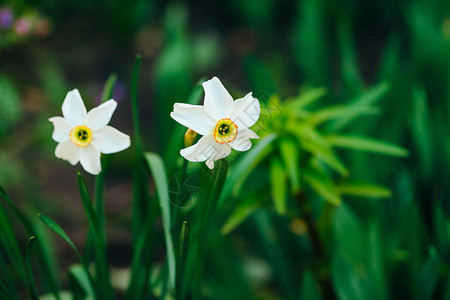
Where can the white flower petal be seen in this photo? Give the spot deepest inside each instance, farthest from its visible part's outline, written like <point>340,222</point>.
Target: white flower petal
<point>90,159</point>
<point>73,108</point>
<point>110,140</point>
<point>242,140</point>
<point>210,163</point>
<point>193,117</point>
<point>206,148</point>
<point>68,151</point>
<point>245,111</point>
<point>217,99</point>
<point>61,129</point>
<point>101,115</point>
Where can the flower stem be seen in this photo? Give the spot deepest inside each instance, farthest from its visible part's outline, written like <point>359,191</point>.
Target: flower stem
<point>318,249</point>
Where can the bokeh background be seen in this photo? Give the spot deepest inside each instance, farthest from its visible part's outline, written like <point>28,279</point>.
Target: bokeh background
<point>395,248</point>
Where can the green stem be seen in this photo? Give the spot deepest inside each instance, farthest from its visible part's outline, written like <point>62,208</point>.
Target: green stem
<point>319,254</point>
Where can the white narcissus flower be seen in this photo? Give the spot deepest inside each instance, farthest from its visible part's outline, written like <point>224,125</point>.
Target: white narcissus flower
<point>223,122</point>
<point>83,135</point>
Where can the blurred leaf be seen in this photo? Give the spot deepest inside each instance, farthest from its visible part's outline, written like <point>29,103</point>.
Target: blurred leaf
<point>309,290</point>
<point>289,150</point>
<point>361,103</point>
<point>31,285</point>
<point>349,65</point>
<point>78,275</point>
<point>244,166</point>
<point>421,131</point>
<point>340,111</point>
<point>240,214</point>
<point>310,42</point>
<point>278,185</point>
<point>363,190</point>
<point>182,255</point>
<point>366,144</point>
<point>306,98</point>
<point>323,186</point>
<point>159,176</point>
<point>59,231</point>
<point>44,260</point>
<point>10,108</point>
<point>429,275</point>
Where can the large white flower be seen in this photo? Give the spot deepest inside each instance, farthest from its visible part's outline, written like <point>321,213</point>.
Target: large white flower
<point>83,135</point>
<point>223,122</point>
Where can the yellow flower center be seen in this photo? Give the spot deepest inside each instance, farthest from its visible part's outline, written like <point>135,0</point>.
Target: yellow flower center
<point>81,136</point>
<point>225,131</point>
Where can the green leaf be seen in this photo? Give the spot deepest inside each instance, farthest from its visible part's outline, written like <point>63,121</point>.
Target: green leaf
<point>102,271</point>
<point>44,262</point>
<point>240,214</point>
<point>183,248</point>
<point>59,231</point>
<point>290,153</point>
<point>339,111</point>
<point>360,103</point>
<point>326,155</point>
<point>31,285</point>
<point>306,98</point>
<point>80,281</point>
<point>278,185</point>
<point>323,186</point>
<point>159,176</point>
<point>108,89</point>
<point>364,190</point>
<point>366,144</point>
<point>242,169</point>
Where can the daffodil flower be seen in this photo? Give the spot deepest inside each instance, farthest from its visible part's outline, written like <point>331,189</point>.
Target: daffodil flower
<point>223,122</point>
<point>83,135</point>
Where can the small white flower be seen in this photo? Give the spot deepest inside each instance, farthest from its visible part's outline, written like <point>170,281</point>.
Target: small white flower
<point>83,135</point>
<point>223,122</point>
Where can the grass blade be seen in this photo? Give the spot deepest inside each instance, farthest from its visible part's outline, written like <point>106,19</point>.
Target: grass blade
<point>44,262</point>
<point>278,185</point>
<point>366,144</point>
<point>102,273</point>
<point>31,285</point>
<point>59,231</point>
<point>160,178</point>
<point>364,190</point>
<point>183,247</point>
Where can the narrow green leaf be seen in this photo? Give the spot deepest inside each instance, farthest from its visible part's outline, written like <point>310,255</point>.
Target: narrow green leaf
<point>59,231</point>
<point>31,285</point>
<point>290,153</point>
<point>78,276</point>
<point>109,88</point>
<point>159,176</point>
<point>44,262</point>
<point>306,98</point>
<point>240,214</point>
<point>183,248</point>
<point>278,185</point>
<point>340,111</point>
<point>366,144</point>
<point>323,186</point>
<point>326,155</point>
<point>364,190</point>
<point>366,99</point>
<point>102,273</point>
<point>242,169</point>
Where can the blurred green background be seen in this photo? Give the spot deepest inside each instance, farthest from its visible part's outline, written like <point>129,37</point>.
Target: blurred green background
<point>393,248</point>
